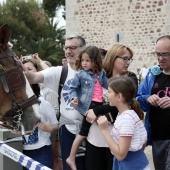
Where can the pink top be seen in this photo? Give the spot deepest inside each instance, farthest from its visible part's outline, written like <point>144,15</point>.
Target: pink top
<point>95,136</point>
<point>98,92</point>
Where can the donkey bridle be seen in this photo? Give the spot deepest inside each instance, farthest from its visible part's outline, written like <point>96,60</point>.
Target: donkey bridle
<point>10,85</point>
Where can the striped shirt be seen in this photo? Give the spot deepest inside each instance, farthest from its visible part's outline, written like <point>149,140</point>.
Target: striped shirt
<point>129,124</point>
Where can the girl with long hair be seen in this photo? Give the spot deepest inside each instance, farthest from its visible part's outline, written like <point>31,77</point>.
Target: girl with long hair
<point>128,136</point>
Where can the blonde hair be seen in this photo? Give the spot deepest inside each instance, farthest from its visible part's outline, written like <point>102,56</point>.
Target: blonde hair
<point>35,63</point>
<point>115,51</point>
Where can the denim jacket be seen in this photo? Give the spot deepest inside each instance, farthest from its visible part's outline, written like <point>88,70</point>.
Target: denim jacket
<point>144,91</point>
<point>82,87</point>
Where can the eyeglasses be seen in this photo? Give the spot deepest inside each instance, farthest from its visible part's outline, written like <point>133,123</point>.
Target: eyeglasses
<point>71,48</point>
<point>157,55</point>
<point>126,59</point>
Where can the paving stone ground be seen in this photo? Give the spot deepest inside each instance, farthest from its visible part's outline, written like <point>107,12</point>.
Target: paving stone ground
<point>148,152</point>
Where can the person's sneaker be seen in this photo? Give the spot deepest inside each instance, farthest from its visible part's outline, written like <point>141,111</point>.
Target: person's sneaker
<point>81,151</point>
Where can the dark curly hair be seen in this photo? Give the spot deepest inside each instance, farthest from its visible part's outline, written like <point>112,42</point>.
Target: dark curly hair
<point>94,55</point>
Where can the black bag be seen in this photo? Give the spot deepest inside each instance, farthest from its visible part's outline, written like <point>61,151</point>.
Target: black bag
<point>63,77</point>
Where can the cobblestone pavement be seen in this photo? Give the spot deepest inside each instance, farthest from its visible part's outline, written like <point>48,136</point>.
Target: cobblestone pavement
<point>148,152</point>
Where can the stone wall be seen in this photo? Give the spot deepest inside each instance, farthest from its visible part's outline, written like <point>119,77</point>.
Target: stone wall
<point>135,23</point>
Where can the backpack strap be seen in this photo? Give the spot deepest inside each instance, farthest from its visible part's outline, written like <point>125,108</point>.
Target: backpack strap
<point>63,77</point>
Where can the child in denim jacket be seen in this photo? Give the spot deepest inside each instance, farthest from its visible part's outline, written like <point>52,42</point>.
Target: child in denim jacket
<point>86,91</point>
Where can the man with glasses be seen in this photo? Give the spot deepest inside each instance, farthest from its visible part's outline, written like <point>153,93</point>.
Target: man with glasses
<point>70,118</point>
<point>154,98</point>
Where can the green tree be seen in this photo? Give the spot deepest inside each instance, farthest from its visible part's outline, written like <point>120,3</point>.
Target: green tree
<point>51,6</point>
<point>32,30</point>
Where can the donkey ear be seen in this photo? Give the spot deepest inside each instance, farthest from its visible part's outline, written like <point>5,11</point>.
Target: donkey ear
<point>4,36</point>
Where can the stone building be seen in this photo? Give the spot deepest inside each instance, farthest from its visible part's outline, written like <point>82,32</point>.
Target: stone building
<point>135,23</point>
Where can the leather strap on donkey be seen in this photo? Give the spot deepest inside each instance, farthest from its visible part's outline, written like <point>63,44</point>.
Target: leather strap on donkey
<point>12,80</point>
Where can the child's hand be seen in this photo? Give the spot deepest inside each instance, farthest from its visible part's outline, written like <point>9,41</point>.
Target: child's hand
<point>102,123</point>
<point>46,127</point>
<point>90,116</point>
<point>74,102</point>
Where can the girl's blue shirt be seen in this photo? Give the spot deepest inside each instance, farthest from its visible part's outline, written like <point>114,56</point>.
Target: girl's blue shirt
<point>82,87</point>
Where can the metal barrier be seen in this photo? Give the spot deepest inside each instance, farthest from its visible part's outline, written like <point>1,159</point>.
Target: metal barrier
<point>17,156</point>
